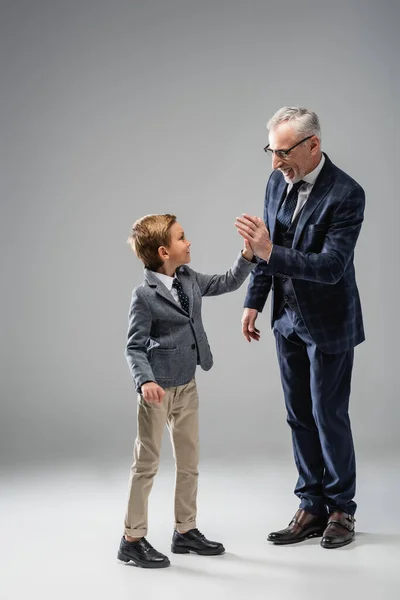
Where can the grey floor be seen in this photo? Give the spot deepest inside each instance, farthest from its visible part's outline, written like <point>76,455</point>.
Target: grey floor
<point>60,532</point>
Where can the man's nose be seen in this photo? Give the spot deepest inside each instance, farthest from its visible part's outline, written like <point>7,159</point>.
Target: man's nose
<point>276,162</point>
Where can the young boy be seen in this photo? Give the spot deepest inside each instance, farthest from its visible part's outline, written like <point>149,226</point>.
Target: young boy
<point>166,340</point>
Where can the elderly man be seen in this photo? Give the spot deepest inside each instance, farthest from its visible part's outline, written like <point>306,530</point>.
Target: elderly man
<point>312,218</point>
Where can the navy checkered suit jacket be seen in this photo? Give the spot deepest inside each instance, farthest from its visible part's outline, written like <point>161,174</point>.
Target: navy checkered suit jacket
<point>320,262</point>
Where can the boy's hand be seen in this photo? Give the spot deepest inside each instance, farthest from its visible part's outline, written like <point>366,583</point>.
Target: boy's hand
<point>152,392</point>
<point>247,251</point>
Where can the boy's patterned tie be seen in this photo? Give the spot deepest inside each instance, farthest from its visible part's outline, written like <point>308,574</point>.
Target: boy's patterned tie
<point>183,298</point>
<point>286,211</point>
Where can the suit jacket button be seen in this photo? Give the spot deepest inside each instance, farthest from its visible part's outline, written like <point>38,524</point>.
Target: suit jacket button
<point>193,346</point>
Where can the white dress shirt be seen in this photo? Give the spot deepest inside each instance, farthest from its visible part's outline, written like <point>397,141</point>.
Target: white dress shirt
<point>306,187</point>
<point>168,281</point>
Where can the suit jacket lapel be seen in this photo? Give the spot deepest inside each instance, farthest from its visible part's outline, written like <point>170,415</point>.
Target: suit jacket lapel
<point>318,193</point>
<point>162,291</point>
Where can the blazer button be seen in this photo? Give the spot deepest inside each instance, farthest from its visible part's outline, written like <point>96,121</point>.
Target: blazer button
<point>193,346</point>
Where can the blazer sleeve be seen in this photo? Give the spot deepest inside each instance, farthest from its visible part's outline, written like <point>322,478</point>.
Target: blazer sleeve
<point>261,278</point>
<point>340,239</point>
<point>214,285</point>
<point>139,328</point>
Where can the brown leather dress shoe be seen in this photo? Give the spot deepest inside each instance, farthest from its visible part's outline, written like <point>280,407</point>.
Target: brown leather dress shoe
<point>340,530</point>
<point>304,525</point>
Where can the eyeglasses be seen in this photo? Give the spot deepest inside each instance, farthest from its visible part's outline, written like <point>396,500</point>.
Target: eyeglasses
<point>284,153</point>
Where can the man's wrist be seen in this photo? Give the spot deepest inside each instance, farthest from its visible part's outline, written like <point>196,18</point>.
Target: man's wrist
<point>269,252</point>
<point>266,254</point>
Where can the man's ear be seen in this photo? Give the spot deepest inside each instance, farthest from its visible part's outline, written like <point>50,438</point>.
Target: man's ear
<point>315,144</point>
<point>163,252</point>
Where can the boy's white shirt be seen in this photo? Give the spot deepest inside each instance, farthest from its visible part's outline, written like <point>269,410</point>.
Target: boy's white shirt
<point>167,280</point>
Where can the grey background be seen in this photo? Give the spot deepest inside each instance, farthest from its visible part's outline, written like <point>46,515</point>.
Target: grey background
<point>113,110</point>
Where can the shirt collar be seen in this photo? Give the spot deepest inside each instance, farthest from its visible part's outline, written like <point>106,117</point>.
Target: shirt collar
<point>312,177</point>
<point>165,279</point>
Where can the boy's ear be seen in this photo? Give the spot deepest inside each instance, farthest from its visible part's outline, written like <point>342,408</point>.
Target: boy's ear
<point>163,252</point>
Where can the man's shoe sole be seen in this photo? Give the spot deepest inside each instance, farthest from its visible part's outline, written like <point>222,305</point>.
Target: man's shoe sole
<point>338,545</point>
<point>207,552</point>
<point>297,539</point>
<point>139,563</point>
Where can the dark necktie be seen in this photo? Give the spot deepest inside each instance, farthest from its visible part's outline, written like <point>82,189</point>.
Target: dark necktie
<point>286,211</point>
<point>183,298</point>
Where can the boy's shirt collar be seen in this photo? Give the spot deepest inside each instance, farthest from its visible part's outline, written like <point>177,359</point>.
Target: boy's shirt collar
<point>165,279</point>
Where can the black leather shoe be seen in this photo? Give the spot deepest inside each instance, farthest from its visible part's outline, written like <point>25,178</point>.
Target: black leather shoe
<point>194,541</point>
<point>142,554</point>
<point>340,530</point>
<point>304,525</point>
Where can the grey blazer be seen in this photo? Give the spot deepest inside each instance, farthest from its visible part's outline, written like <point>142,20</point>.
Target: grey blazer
<point>164,343</point>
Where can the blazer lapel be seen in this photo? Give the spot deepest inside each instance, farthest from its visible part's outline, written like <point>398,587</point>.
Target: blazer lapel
<point>318,193</point>
<point>161,290</point>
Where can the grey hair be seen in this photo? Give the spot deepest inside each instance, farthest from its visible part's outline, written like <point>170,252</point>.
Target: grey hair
<point>305,121</point>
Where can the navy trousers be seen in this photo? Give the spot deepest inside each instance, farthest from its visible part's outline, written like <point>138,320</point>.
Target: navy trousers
<point>316,387</point>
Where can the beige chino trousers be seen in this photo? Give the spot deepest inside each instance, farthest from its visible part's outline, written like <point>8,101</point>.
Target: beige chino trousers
<point>179,411</point>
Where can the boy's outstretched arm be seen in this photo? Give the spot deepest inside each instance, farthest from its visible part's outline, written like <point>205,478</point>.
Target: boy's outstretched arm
<point>214,285</point>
